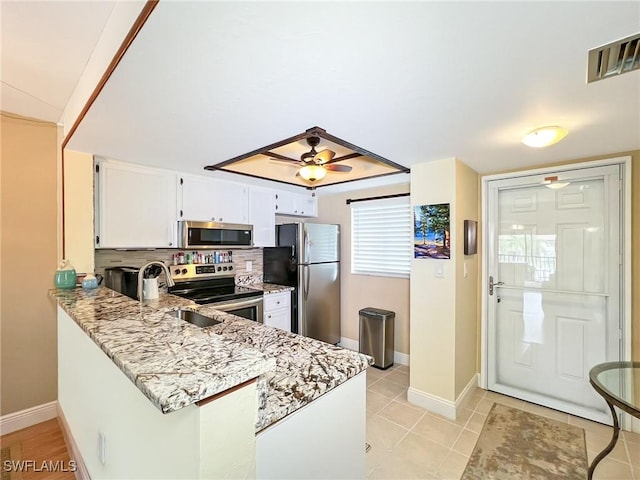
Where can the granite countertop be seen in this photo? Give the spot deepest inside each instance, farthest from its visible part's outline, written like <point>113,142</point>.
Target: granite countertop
<point>268,288</point>
<point>175,363</point>
<point>305,368</point>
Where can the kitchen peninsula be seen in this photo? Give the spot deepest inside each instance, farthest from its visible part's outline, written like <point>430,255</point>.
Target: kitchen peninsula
<point>238,399</point>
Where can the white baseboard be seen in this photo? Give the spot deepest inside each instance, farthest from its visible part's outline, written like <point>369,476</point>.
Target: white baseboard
<point>467,392</point>
<point>441,406</point>
<point>27,418</point>
<point>398,357</point>
<point>434,404</point>
<point>81,472</point>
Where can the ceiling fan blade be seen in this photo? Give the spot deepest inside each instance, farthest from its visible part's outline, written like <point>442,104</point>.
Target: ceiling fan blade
<point>346,157</point>
<point>280,158</point>
<point>338,168</point>
<point>324,156</point>
<point>293,163</point>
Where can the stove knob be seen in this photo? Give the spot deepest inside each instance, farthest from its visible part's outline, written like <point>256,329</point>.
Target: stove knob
<point>224,268</point>
<point>184,271</point>
<point>230,267</point>
<point>176,271</point>
<point>219,269</point>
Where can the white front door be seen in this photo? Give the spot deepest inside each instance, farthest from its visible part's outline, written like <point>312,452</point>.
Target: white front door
<point>554,259</point>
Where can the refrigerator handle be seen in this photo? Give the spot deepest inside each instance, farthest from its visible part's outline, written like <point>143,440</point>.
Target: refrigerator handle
<point>307,276</point>
<point>305,239</point>
<point>293,251</point>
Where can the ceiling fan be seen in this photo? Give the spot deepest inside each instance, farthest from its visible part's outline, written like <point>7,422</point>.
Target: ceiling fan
<point>314,165</point>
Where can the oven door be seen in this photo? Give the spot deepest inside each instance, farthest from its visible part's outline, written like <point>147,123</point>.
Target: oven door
<point>250,308</point>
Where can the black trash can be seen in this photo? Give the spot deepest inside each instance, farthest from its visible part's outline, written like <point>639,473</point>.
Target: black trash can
<point>376,335</point>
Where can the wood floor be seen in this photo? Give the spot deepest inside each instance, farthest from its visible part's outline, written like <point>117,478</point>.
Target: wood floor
<point>41,443</point>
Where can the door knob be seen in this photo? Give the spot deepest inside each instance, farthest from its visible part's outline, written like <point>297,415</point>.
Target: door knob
<point>492,284</point>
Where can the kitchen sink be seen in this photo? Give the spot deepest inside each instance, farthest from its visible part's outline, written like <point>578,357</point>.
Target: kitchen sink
<point>194,318</point>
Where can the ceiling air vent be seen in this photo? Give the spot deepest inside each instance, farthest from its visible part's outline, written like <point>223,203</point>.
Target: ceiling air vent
<point>614,59</point>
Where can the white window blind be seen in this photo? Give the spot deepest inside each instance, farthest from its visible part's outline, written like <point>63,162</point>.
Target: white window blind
<point>381,232</point>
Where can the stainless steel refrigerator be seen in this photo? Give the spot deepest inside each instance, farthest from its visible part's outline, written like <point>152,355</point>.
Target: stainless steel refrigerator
<point>307,257</point>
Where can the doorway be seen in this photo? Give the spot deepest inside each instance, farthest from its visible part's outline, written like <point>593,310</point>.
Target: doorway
<point>553,296</point>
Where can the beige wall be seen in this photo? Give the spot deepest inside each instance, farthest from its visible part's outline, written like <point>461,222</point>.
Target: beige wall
<point>78,210</point>
<point>433,299</point>
<point>360,291</point>
<point>466,285</point>
<point>444,312</point>
<point>29,251</point>
<point>635,236</point>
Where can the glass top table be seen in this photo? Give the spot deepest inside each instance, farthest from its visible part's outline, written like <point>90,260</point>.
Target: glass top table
<point>619,384</point>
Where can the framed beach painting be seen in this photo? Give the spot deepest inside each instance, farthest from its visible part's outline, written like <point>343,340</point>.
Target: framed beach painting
<point>431,233</point>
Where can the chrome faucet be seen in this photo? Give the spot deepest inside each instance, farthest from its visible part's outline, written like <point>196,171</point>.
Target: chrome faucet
<point>167,274</point>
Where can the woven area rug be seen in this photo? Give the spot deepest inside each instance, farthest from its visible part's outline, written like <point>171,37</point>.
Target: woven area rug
<point>515,444</point>
<point>8,453</point>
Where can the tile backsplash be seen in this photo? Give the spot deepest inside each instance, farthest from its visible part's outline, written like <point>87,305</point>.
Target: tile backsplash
<point>136,258</point>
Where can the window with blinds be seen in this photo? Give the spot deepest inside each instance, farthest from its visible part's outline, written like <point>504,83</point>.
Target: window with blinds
<point>381,236</point>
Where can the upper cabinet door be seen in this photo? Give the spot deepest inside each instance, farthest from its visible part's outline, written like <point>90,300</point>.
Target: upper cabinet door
<point>262,215</point>
<point>206,199</point>
<point>197,198</point>
<point>296,204</point>
<point>135,206</point>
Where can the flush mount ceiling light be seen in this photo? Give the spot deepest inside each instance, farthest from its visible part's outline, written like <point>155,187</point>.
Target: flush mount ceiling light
<point>554,183</point>
<point>544,136</point>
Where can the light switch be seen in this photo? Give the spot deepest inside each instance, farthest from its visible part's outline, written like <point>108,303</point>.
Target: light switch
<point>248,266</point>
<point>439,271</point>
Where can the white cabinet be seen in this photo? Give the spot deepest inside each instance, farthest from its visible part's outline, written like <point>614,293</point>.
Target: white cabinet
<point>207,199</point>
<point>135,206</point>
<point>277,310</point>
<point>298,204</point>
<point>262,215</point>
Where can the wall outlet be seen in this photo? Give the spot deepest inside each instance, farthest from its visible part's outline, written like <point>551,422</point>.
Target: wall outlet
<point>102,447</point>
<point>248,266</point>
<point>439,270</point>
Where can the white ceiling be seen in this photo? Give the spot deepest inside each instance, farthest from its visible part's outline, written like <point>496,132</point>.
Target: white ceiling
<point>410,81</point>
<point>45,47</point>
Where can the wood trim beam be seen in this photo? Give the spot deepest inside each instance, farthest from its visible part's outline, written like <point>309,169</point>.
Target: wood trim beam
<point>126,43</point>
<point>362,151</point>
<point>262,150</point>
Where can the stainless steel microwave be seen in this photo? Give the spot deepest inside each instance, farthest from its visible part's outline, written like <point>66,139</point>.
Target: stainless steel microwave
<point>201,235</point>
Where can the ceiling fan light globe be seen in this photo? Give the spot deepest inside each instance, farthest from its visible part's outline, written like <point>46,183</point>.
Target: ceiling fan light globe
<point>312,172</point>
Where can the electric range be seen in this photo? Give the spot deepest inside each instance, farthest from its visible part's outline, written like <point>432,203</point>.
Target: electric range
<point>214,284</point>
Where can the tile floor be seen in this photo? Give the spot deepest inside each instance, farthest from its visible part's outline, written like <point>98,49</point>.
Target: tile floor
<point>410,442</point>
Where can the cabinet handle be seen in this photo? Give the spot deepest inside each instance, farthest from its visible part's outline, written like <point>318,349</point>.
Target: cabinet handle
<point>268,316</point>
<point>278,302</point>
